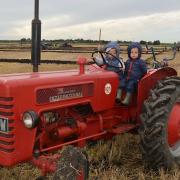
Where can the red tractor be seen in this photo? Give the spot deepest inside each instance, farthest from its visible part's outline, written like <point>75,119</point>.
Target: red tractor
<point>42,112</point>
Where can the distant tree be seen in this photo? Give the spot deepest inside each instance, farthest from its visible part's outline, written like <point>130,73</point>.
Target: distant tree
<point>23,39</point>
<point>157,42</point>
<point>79,40</point>
<point>143,42</point>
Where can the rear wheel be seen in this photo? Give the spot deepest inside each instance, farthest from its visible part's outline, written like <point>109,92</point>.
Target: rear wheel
<point>72,165</point>
<point>160,129</point>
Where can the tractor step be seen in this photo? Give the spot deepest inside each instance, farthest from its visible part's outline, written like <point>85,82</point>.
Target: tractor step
<point>123,128</point>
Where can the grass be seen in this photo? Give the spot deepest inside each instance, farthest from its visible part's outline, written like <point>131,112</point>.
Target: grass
<point>121,159</point>
<point>116,159</point>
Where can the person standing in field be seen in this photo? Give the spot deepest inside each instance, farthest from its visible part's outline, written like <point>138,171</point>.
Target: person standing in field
<point>135,69</point>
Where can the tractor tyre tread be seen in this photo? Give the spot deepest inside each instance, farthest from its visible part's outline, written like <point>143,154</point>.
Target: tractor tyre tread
<point>153,130</point>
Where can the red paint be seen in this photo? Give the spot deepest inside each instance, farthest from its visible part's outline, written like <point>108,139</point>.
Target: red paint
<point>81,61</point>
<point>73,142</point>
<point>174,125</point>
<point>47,164</point>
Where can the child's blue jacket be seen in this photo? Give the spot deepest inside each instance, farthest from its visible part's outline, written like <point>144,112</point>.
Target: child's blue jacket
<point>135,69</point>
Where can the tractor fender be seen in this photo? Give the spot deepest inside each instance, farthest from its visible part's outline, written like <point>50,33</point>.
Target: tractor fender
<point>149,81</point>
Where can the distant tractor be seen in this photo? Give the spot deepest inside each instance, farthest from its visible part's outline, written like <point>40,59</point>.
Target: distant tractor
<point>41,113</point>
<point>46,46</point>
<point>66,45</point>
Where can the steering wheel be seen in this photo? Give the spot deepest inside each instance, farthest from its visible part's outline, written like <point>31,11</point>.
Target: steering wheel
<point>103,61</point>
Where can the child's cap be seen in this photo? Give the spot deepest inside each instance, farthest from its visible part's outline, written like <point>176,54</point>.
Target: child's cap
<point>134,45</point>
<point>112,45</point>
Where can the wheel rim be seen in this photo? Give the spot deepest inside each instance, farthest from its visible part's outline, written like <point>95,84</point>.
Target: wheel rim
<point>174,130</point>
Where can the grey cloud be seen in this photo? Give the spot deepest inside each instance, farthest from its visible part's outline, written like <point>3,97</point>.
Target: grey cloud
<point>79,11</point>
<point>86,10</point>
<point>83,11</point>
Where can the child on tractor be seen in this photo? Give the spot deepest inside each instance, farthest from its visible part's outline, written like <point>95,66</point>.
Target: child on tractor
<point>135,69</point>
<point>112,60</point>
<point>112,52</point>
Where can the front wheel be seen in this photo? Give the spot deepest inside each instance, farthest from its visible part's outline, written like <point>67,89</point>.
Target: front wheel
<point>72,165</point>
<point>160,129</point>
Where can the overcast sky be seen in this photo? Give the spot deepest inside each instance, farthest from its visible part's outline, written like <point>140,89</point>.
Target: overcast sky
<point>119,19</point>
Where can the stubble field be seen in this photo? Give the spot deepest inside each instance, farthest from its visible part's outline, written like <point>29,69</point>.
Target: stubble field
<point>119,159</point>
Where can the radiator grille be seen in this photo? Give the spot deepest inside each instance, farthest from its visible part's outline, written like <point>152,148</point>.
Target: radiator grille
<point>6,112</point>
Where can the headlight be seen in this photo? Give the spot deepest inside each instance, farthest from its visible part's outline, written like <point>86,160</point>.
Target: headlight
<point>30,119</point>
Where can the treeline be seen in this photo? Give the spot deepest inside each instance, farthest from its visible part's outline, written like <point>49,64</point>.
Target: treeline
<point>156,42</point>
<point>28,40</point>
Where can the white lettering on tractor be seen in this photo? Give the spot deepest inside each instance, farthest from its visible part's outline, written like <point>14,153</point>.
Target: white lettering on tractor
<point>65,96</point>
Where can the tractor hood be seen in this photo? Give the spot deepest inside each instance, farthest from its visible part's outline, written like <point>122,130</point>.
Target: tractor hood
<point>40,90</point>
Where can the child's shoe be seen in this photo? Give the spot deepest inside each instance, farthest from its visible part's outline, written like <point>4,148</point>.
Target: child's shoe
<point>127,99</point>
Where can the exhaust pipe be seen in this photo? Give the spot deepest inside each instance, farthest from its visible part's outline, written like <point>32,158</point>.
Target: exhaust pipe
<point>36,38</point>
